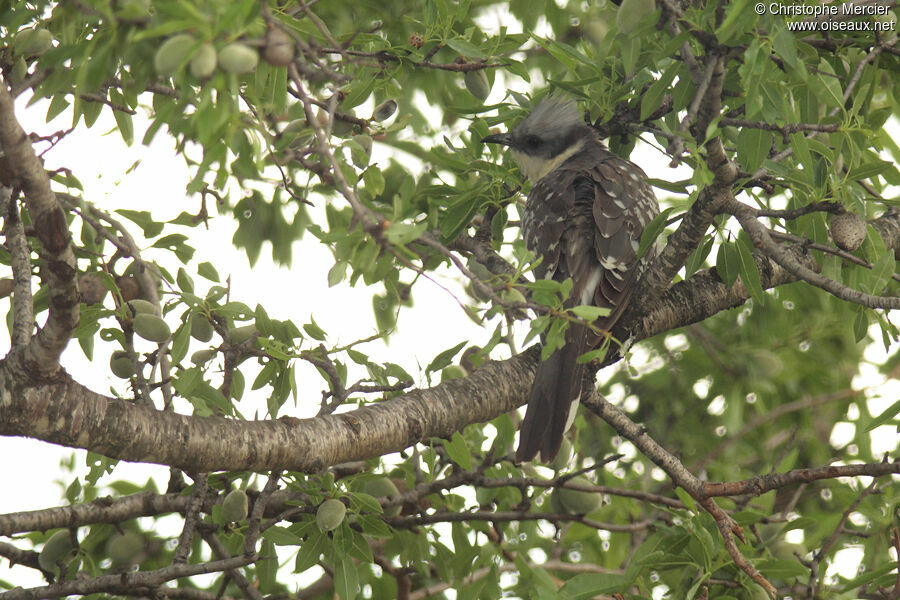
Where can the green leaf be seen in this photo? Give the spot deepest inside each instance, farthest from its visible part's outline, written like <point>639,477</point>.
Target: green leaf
<point>781,569</point>
<point>870,169</point>
<point>445,358</point>
<point>889,413</point>
<point>267,566</point>
<point>882,272</point>
<point>458,451</point>
<point>589,313</point>
<point>315,545</point>
<point>631,13</point>
<point>749,272</point>
<point>207,271</point>
<point>786,47</point>
<point>654,96</point>
<point>466,48</point>
<point>727,263</point>
<point>180,342</point>
<point>374,181</point>
<point>677,187</point>
<point>737,21</point>
<point>373,526</point>
<point>685,498</point>
<point>404,233</point>
<point>313,330</point>
<point>184,281</point>
<point>459,213</point>
<point>346,578</point>
<point>337,273</point>
<point>281,536</point>
<point>653,229</point>
<point>826,85</point>
<point>589,585</point>
<point>753,146</point>
<point>698,256</point>
<point>123,119</point>
<point>860,324</point>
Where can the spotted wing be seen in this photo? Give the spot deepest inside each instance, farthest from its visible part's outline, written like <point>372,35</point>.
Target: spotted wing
<point>585,220</point>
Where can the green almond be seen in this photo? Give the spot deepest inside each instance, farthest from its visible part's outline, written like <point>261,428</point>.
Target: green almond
<point>55,550</point>
<point>383,487</point>
<point>579,503</point>
<point>330,514</point>
<point>121,365</point>
<point>142,307</point>
<point>201,328</point>
<point>477,83</point>
<point>235,506</point>
<point>204,61</point>
<point>172,54</point>
<point>151,328</point>
<point>238,58</point>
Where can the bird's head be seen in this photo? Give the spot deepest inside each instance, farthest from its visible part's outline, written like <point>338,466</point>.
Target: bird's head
<point>550,134</point>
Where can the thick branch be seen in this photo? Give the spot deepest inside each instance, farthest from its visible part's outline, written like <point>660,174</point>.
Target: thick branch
<point>63,411</point>
<point>42,354</point>
<point>679,246</point>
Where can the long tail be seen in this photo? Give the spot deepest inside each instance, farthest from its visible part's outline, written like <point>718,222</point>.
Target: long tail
<point>554,395</point>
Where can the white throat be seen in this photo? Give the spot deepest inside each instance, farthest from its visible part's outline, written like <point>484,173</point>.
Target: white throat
<point>535,167</point>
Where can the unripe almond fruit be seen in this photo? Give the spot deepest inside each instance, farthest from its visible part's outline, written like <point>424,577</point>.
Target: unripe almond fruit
<point>848,230</point>
<point>513,296</point>
<point>55,549</point>
<point>563,457</point>
<point>330,514</point>
<point>279,49</point>
<point>204,61</point>
<point>142,307</point>
<point>383,487</point>
<point>477,83</point>
<point>201,328</point>
<point>201,357</point>
<point>238,58</point>
<point>124,549</point>
<point>19,71</point>
<point>172,54</point>
<point>32,42</point>
<point>121,364</point>
<point>235,506</point>
<point>577,502</point>
<point>151,328</point>
<point>239,335</point>
<point>452,372</point>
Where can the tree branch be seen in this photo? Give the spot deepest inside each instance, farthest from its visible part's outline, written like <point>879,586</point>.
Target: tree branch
<point>759,234</point>
<point>765,483</point>
<point>62,411</point>
<point>20,258</point>
<point>41,356</point>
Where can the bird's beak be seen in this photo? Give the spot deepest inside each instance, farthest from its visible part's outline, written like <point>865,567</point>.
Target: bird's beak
<point>498,138</point>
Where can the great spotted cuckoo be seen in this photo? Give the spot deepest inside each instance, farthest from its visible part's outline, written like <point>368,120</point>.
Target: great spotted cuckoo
<point>584,217</point>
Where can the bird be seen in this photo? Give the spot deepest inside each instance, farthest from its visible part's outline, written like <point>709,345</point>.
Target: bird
<point>583,217</point>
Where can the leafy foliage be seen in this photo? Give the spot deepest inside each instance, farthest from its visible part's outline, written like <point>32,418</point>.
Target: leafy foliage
<point>309,149</point>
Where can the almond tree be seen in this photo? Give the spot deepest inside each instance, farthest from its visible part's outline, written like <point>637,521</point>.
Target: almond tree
<point>701,465</point>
